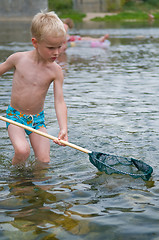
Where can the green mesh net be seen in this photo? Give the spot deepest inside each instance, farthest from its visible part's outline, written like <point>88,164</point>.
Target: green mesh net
<point>114,164</point>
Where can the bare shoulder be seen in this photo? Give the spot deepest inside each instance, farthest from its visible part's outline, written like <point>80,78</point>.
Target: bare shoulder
<point>16,56</point>
<point>57,70</point>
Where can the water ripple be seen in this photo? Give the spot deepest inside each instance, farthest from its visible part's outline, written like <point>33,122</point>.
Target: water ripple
<point>112,97</point>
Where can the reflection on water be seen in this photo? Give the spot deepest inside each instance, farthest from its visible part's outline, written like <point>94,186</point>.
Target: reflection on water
<point>112,98</point>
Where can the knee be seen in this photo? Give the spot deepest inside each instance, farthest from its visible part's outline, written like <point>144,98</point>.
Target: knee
<point>22,152</point>
<point>43,158</point>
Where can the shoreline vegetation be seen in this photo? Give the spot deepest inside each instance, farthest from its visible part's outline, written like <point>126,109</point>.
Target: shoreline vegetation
<point>128,16</point>
<point>130,10</point>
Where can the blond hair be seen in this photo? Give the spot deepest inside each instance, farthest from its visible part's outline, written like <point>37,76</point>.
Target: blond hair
<point>44,24</point>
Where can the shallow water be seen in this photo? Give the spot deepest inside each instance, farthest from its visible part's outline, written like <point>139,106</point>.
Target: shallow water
<point>112,97</point>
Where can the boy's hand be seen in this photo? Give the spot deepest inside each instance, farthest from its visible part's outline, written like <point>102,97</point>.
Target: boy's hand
<point>62,136</point>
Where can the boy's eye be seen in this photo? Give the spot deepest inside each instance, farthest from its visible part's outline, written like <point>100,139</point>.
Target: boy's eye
<point>53,48</point>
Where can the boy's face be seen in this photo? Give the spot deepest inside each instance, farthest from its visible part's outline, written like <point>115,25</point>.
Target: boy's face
<point>49,48</point>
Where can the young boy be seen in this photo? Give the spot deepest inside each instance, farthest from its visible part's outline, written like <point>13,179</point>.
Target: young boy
<point>34,71</point>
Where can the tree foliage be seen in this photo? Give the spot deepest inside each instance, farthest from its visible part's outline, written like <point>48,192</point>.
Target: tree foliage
<point>60,5</point>
<point>152,2</point>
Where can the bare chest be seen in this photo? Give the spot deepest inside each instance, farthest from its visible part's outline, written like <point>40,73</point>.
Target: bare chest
<point>31,76</point>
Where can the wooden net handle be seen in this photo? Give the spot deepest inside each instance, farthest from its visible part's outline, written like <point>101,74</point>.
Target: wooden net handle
<point>45,135</point>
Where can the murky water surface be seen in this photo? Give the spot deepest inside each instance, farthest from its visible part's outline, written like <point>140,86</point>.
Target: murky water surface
<point>112,97</point>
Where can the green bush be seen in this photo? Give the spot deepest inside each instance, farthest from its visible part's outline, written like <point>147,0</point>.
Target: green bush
<point>113,5</point>
<point>152,2</point>
<point>60,5</point>
<point>64,9</point>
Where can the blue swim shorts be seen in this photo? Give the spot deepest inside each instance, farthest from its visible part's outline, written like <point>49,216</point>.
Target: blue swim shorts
<point>35,121</point>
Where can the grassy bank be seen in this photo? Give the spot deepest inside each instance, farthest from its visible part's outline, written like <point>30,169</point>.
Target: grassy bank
<point>131,11</point>
<point>128,16</point>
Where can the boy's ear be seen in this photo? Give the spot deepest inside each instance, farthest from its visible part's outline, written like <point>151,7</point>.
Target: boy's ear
<point>34,42</point>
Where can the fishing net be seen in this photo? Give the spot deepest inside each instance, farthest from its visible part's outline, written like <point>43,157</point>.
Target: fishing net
<point>114,164</point>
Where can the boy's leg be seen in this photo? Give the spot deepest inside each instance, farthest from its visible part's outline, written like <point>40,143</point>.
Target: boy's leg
<point>41,146</point>
<point>20,144</point>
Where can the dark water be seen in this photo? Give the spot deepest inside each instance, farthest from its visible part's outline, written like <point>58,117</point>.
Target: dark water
<point>112,97</point>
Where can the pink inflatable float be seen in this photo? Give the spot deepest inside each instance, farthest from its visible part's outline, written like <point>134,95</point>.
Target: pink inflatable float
<point>91,44</point>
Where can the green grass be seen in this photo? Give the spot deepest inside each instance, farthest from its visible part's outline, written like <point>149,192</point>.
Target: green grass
<point>156,15</point>
<point>76,17</point>
<point>127,16</point>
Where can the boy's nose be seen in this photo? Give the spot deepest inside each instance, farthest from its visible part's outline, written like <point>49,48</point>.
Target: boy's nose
<point>56,51</point>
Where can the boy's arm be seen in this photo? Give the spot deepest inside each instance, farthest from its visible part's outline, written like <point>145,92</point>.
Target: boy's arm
<point>7,65</point>
<point>60,106</point>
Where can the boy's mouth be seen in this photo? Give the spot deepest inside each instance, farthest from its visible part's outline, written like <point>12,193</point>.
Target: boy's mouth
<point>53,58</point>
